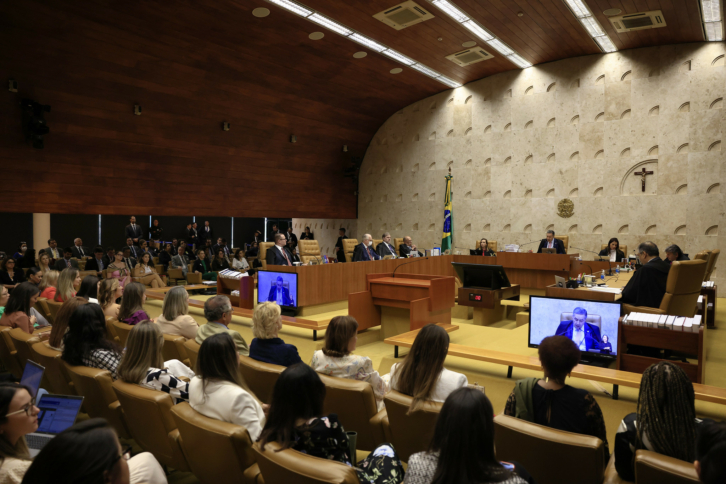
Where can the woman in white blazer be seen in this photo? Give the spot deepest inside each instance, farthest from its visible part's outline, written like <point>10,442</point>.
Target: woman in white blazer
<point>218,391</point>
<point>421,374</point>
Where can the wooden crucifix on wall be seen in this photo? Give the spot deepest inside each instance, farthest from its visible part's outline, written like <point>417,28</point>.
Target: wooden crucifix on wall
<point>642,174</point>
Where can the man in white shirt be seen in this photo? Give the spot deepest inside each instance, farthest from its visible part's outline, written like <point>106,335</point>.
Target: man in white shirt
<point>280,294</point>
<point>550,242</point>
<point>386,248</point>
<point>585,335</point>
<point>279,255</point>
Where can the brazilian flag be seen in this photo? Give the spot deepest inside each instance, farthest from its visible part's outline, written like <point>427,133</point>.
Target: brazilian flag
<point>447,237</point>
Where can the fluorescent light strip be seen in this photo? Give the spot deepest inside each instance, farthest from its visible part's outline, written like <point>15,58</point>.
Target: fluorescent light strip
<point>341,29</point>
<point>714,31</point>
<point>472,26</point>
<point>593,27</point>
<point>712,23</point>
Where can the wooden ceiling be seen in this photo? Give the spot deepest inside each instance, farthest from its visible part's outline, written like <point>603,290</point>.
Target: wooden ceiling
<point>192,64</point>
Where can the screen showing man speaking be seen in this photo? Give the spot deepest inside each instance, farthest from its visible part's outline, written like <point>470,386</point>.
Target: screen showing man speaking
<point>277,287</point>
<point>591,325</point>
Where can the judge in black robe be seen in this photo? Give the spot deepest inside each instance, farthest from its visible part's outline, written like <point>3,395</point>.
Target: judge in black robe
<point>339,251</point>
<point>648,284</point>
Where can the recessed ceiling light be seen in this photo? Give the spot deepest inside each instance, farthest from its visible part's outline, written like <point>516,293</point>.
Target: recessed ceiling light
<point>471,43</point>
<point>397,70</point>
<point>316,36</point>
<point>590,23</point>
<point>261,12</point>
<point>712,21</point>
<point>612,11</point>
<point>360,55</point>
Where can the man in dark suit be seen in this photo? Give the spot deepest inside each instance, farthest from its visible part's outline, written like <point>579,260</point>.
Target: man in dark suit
<point>188,251</point>
<point>66,261</point>
<point>134,231</point>
<point>364,250</point>
<point>280,294</point>
<point>129,261</point>
<point>166,255</point>
<point>54,253</point>
<point>258,237</point>
<point>205,233</point>
<point>133,250</point>
<point>180,261</point>
<point>339,251</point>
<point>673,254</point>
<point>408,249</point>
<point>278,255</point>
<point>174,246</point>
<point>551,243</point>
<point>648,284</point>
<point>80,252</point>
<point>585,335</point>
<point>96,263</point>
<point>291,237</point>
<point>194,236</point>
<point>386,248</point>
<point>274,232</point>
<point>109,257</point>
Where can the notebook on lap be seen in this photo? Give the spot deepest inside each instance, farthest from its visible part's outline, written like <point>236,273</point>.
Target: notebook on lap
<point>57,413</point>
<point>32,375</point>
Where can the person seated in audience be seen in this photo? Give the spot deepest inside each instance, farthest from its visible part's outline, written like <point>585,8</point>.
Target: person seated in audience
<point>44,263</point>
<point>307,235</point>
<point>134,251</point>
<point>60,323</point>
<point>551,402</point>
<point>180,261</point>
<point>253,250</point>
<point>267,345</point>
<point>421,374</point>
<point>4,296</point>
<point>175,318</point>
<point>647,286</point>
<point>69,281</point>
<point>27,260</point>
<point>66,262</point>
<point>408,248</point>
<point>22,247</point>
<point>710,460</point>
<point>364,251</point>
<point>146,272</point>
<point>218,390</point>
<point>165,256</point>
<point>612,251</point>
<point>88,289</point>
<point>86,343</point>
<point>337,358</point>
<point>96,263</point>
<point>202,266</point>
<point>220,261</point>
<point>258,237</point>
<point>155,231</point>
<point>550,242</point>
<point>290,236</point>
<point>129,262</point>
<point>385,247</point>
<point>279,255</point>
<point>18,418</point>
<point>144,247</point>
<point>209,250</point>
<point>53,251</point>
<point>34,276</point>
<point>674,253</point>
<point>132,304</point>
<point>218,312</point>
<point>118,270</point>
<point>462,448</point>
<point>292,249</point>
<point>174,245</point>
<point>80,252</point>
<point>239,263</point>
<point>18,310</point>
<point>108,292</point>
<point>48,285</point>
<point>295,420</point>
<point>143,363</point>
<point>484,249</point>
<point>188,249</point>
<point>665,422</point>
<point>11,275</point>
<point>90,452</point>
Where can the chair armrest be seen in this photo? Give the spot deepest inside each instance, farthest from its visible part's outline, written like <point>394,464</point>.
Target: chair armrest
<point>376,422</point>
<point>627,308</point>
<point>193,278</point>
<point>175,273</point>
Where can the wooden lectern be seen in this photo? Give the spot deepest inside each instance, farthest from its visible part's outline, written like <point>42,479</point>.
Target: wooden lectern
<point>429,298</point>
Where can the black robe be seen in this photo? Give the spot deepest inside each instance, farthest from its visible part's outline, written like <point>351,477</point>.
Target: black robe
<point>339,250</point>
<point>648,284</point>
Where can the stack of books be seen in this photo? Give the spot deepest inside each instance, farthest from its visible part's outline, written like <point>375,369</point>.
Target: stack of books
<point>663,321</point>
<point>230,274</point>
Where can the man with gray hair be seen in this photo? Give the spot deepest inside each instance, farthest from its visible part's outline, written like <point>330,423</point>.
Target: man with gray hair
<point>218,312</point>
<point>648,284</point>
<point>364,251</point>
<point>550,242</point>
<point>386,248</point>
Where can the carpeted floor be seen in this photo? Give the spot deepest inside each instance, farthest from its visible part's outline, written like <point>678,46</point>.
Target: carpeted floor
<point>504,337</point>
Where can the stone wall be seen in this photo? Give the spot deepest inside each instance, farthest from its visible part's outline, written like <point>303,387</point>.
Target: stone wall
<point>520,142</point>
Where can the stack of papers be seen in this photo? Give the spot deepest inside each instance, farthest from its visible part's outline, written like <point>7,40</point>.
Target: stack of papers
<point>663,321</point>
<point>230,274</point>
<point>209,283</point>
<point>511,248</point>
<point>707,284</point>
<point>234,293</point>
<point>613,290</point>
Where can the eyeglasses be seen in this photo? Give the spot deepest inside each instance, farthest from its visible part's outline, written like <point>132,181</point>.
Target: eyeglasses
<point>27,408</point>
<point>126,455</point>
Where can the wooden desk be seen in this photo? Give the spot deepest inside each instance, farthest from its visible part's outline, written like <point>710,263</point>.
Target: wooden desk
<point>588,294</point>
<point>710,298</point>
<point>188,287</point>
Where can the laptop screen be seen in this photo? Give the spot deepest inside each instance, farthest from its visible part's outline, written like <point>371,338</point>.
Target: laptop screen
<point>32,375</point>
<point>57,413</point>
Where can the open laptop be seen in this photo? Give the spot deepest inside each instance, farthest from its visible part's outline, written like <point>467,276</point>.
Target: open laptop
<point>32,375</point>
<point>560,281</point>
<point>549,251</point>
<point>57,413</point>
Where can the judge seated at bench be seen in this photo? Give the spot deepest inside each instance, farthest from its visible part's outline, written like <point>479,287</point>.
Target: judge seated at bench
<point>674,253</point>
<point>385,247</point>
<point>549,242</point>
<point>364,251</point>
<point>612,251</point>
<point>484,249</point>
<point>648,284</point>
<point>585,335</point>
<point>280,294</point>
<point>279,255</point>
<point>408,248</point>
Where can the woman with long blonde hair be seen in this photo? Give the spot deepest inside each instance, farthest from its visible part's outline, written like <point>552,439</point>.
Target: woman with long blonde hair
<point>68,283</point>
<point>108,292</point>
<point>44,263</point>
<point>143,363</point>
<point>48,284</point>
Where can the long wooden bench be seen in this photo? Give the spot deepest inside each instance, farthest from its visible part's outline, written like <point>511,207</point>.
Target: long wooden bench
<point>705,393</point>
<point>309,324</point>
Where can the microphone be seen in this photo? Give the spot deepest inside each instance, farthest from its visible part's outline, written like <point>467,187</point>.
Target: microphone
<point>610,265</point>
<point>415,259</point>
<point>532,242</point>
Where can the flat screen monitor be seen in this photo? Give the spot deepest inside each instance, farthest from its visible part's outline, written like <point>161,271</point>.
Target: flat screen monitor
<point>32,374</point>
<point>277,287</point>
<point>592,325</point>
<point>481,276</point>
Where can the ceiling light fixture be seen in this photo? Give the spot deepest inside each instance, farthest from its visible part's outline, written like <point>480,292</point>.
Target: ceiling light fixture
<point>341,29</point>
<point>593,27</point>
<point>473,26</point>
<point>712,20</point>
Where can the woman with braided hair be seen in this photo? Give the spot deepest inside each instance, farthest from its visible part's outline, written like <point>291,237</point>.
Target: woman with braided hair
<point>665,421</point>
